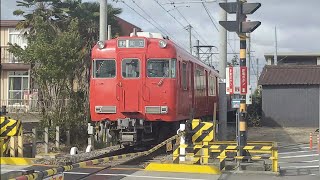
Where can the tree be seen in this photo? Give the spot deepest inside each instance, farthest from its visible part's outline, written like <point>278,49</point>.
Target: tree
<point>255,109</point>
<point>60,37</point>
<point>234,61</point>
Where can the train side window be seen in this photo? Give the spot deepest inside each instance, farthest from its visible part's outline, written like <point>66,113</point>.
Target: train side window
<point>184,76</point>
<point>173,67</point>
<point>161,68</point>
<point>104,68</point>
<point>130,68</point>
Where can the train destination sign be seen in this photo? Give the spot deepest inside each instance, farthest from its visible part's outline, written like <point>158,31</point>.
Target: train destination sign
<point>131,43</point>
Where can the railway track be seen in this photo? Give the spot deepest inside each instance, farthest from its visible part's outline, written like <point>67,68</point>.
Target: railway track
<point>107,162</point>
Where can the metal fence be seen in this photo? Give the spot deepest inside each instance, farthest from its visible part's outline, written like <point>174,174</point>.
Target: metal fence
<point>30,105</point>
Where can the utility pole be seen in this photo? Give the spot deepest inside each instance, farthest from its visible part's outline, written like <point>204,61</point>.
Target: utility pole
<point>188,28</point>
<point>103,20</point>
<point>222,72</point>
<point>241,26</point>
<point>275,46</point>
<point>198,48</point>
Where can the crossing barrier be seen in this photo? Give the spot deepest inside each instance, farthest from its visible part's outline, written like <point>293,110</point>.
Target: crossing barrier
<point>202,148</point>
<point>11,134</point>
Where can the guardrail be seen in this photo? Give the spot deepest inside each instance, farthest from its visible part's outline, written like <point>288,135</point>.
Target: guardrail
<point>13,145</point>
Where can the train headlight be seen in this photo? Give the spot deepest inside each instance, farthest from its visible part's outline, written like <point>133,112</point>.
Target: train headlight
<point>100,44</point>
<point>162,43</point>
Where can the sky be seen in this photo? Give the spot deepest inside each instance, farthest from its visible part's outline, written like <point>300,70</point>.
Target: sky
<point>297,22</point>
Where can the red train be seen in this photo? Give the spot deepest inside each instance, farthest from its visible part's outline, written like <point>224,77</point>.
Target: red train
<point>144,85</point>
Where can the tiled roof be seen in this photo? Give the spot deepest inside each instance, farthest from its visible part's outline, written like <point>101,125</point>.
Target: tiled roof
<point>290,75</point>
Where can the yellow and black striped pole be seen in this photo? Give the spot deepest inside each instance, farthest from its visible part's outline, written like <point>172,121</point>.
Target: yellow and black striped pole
<point>243,108</point>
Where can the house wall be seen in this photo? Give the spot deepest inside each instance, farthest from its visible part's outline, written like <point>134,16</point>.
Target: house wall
<point>291,105</point>
<point>4,86</point>
<point>4,35</point>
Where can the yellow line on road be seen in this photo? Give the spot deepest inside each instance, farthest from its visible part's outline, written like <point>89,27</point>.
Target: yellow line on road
<point>186,168</point>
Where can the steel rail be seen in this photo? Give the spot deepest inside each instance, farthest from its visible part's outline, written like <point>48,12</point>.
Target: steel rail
<point>54,171</point>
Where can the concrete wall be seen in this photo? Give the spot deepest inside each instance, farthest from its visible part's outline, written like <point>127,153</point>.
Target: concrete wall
<point>291,105</point>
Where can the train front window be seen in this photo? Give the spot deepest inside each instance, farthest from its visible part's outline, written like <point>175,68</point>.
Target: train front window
<point>130,68</point>
<point>161,68</point>
<point>104,68</point>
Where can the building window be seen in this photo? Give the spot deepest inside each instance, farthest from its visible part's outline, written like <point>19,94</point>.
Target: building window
<point>184,76</point>
<point>104,68</point>
<point>130,68</point>
<point>18,87</point>
<point>16,37</point>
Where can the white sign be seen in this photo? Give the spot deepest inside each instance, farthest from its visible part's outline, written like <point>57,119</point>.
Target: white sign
<point>233,80</point>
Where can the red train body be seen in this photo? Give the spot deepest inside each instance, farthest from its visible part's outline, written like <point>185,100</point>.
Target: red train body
<point>147,81</point>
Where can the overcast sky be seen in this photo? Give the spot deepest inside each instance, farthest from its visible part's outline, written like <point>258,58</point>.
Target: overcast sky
<point>297,22</point>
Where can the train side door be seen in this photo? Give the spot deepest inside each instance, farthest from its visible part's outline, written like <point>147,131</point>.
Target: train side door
<point>130,81</point>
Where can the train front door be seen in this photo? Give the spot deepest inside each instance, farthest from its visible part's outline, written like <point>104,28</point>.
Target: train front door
<point>130,82</point>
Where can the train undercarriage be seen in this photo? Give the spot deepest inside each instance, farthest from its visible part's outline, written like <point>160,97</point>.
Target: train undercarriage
<point>136,132</point>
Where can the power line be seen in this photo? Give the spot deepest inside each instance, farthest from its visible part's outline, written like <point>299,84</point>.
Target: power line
<point>211,18</point>
<point>193,28</point>
<point>148,21</point>
<point>169,13</point>
<point>150,17</point>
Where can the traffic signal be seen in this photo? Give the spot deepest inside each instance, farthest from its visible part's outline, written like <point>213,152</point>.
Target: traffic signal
<point>241,9</point>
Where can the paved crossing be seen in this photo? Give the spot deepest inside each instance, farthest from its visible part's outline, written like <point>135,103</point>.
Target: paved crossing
<point>299,159</point>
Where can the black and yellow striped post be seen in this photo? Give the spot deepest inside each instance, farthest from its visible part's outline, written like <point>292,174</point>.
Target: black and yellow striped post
<point>243,107</point>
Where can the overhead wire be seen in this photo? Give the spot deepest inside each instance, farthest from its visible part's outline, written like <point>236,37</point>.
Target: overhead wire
<point>148,21</point>
<point>150,17</point>
<point>193,29</point>
<point>211,18</point>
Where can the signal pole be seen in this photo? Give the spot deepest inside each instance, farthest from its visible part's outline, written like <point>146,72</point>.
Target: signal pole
<point>243,106</point>
<point>241,26</point>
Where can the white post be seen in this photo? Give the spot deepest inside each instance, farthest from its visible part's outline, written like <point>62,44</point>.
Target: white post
<point>109,32</point>
<point>46,140</point>
<point>182,156</point>
<point>57,137</point>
